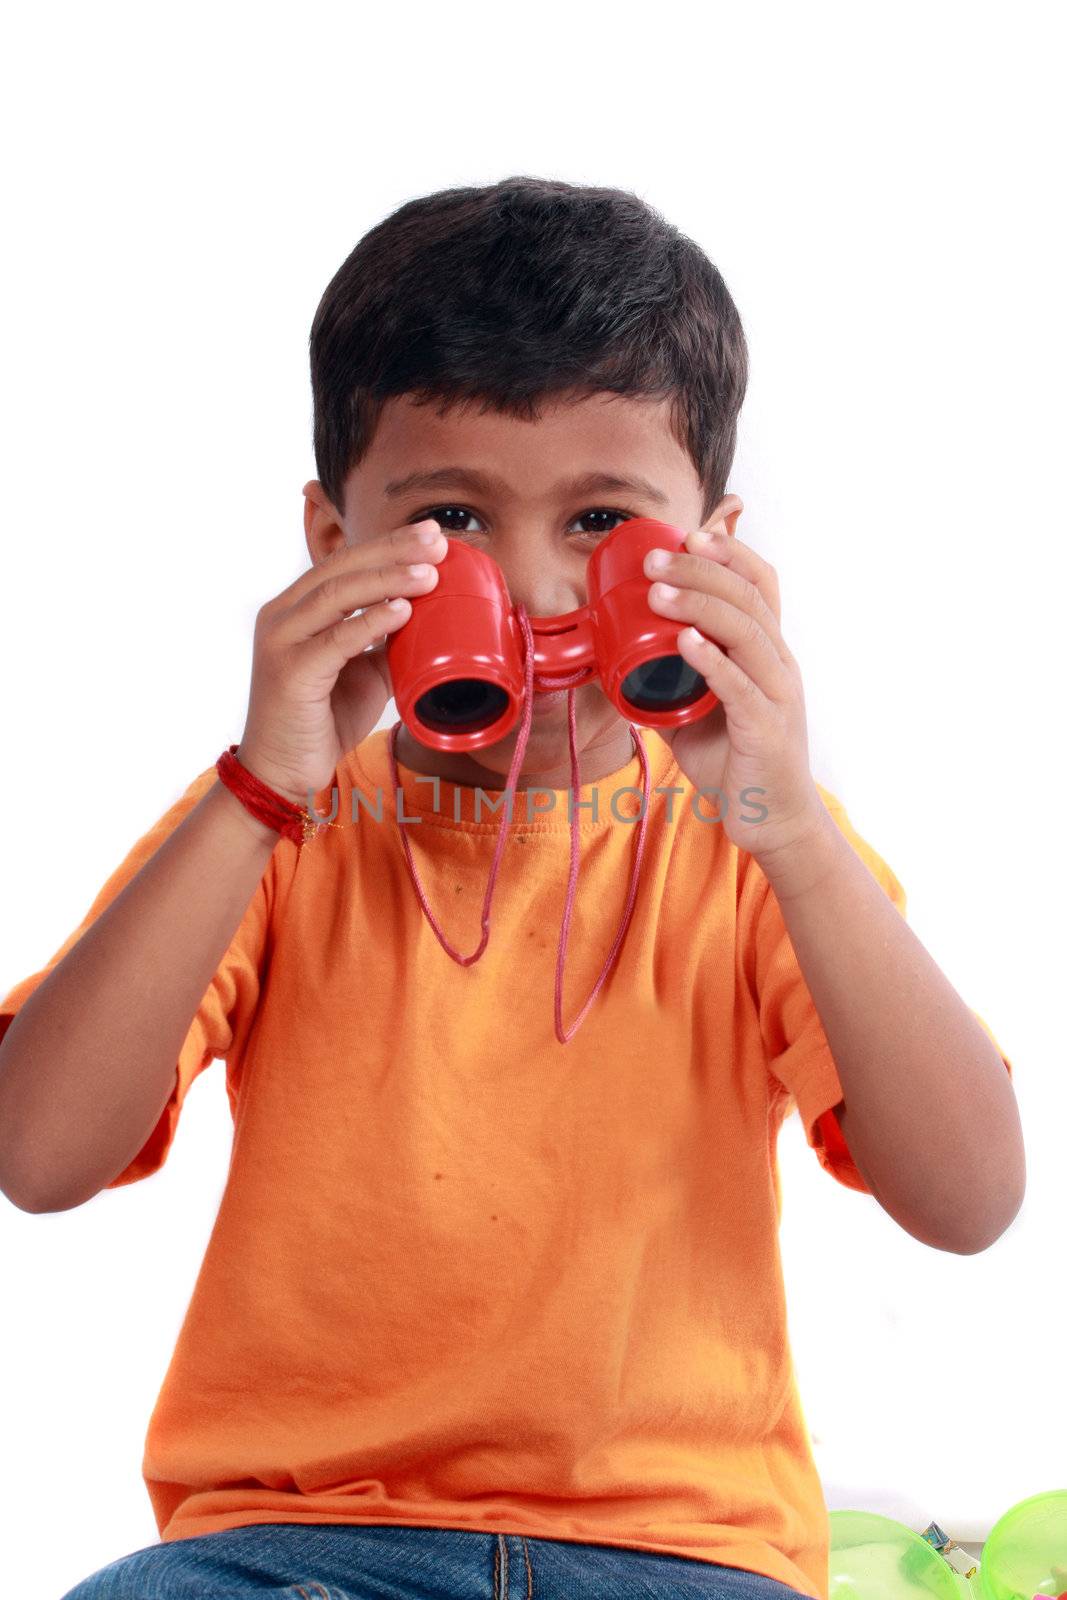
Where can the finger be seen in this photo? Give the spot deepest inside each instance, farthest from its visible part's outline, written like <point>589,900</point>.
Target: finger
<point>341,591</point>
<point>740,697</point>
<point>736,631</point>
<point>400,546</point>
<point>731,552</point>
<point>721,577</point>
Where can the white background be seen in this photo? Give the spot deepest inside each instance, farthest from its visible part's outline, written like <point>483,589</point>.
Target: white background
<point>882,189</point>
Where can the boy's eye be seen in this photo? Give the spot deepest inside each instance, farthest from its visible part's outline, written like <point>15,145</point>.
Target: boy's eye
<point>442,513</point>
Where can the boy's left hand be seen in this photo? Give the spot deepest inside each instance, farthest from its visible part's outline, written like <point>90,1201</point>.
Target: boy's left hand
<point>756,738</point>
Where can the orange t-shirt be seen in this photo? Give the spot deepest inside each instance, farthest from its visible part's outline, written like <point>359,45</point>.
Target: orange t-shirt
<point>463,1275</point>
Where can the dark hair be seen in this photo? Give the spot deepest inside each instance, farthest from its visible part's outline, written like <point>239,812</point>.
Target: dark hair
<point>521,291</point>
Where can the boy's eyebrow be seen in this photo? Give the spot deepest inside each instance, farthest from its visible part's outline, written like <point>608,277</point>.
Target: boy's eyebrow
<point>487,483</point>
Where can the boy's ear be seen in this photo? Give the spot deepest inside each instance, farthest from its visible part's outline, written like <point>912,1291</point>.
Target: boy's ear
<point>726,512</point>
<point>323,532</point>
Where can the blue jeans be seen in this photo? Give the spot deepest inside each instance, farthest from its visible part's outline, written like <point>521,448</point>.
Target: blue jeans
<point>342,1561</point>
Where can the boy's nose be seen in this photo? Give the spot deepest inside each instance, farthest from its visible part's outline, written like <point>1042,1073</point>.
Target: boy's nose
<point>543,604</point>
<point>544,593</point>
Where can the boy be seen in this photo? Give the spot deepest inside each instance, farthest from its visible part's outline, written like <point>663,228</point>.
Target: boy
<point>482,1308</point>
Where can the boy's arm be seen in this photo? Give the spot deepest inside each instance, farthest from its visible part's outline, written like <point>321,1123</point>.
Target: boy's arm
<point>929,1112</point>
<point>88,1062</point>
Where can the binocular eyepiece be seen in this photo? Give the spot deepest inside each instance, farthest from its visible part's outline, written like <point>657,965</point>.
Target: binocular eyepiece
<point>457,664</point>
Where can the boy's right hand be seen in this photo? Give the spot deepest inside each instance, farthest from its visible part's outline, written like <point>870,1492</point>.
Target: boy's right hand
<point>317,690</point>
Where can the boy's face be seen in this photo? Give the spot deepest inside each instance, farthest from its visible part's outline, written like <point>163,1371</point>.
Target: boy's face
<point>539,531</point>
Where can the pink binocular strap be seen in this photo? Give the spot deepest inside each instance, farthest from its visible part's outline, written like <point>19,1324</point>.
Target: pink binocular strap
<point>562,1034</point>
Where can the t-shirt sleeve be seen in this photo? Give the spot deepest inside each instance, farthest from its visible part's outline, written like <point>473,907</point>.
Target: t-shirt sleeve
<point>802,1074</point>
<point>225,1014</point>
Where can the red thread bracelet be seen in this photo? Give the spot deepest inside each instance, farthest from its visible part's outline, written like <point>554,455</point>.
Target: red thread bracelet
<point>291,821</point>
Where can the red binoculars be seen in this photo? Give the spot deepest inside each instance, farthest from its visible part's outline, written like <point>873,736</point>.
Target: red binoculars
<point>457,664</point>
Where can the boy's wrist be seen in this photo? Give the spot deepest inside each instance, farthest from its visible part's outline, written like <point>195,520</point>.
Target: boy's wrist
<point>794,870</point>
<point>259,832</point>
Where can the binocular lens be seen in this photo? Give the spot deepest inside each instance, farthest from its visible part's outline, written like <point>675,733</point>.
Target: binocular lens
<point>664,683</point>
<point>463,704</point>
